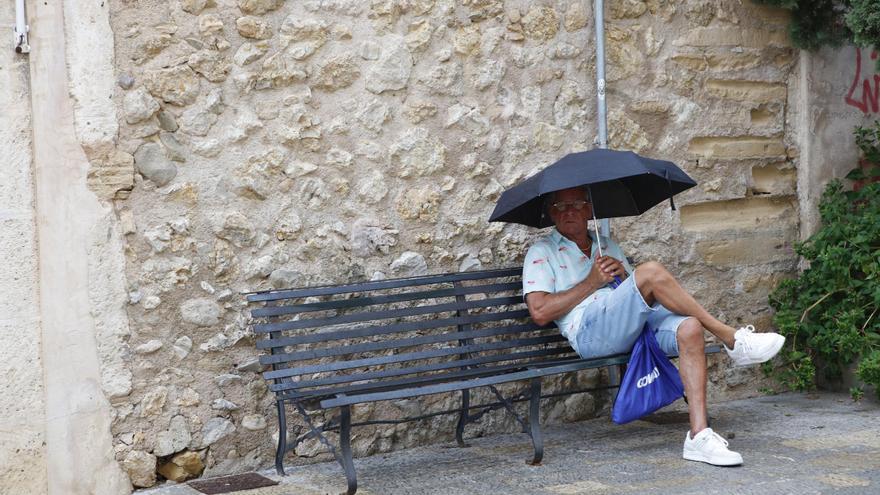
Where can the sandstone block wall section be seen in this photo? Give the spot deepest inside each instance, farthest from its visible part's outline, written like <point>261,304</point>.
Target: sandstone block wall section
<point>280,144</point>
<point>22,408</point>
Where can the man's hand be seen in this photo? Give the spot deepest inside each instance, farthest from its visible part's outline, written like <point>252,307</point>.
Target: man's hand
<point>604,269</point>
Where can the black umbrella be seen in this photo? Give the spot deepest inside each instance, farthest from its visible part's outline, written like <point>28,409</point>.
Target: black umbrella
<point>621,183</point>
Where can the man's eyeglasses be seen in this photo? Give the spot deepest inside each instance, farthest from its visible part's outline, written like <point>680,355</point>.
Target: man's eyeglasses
<point>561,206</point>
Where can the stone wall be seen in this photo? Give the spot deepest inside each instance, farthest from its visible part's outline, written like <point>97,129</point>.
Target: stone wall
<point>292,143</point>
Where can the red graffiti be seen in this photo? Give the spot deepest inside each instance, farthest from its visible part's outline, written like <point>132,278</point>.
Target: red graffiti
<point>870,98</point>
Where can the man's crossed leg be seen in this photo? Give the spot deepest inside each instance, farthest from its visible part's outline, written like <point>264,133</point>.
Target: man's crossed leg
<point>613,324</point>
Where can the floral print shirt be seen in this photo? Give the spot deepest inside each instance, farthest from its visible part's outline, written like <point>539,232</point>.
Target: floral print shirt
<point>554,264</point>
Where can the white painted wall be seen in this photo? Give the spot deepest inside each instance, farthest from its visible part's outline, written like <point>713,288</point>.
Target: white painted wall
<point>76,236</point>
<point>829,103</point>
<point>22,421</point>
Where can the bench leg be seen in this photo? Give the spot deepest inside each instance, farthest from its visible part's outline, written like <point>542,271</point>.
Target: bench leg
<point>282,439</point>
<point>535,421</point>
<point>345,443</point>
<point>463,418</point>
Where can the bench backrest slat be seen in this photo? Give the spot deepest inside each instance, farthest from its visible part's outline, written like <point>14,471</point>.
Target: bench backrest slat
<point>413,356</point>
<point>386,329</point>
<point>433,338</point>
<point>376,300</point>
<point>383,284</point>
<point>387,314</point>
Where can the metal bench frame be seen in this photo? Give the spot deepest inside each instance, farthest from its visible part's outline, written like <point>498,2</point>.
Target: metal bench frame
<point>481,357</point>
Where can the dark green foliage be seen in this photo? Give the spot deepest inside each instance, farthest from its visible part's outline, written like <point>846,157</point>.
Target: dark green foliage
<point>829,313</point>
<point>868,141</point>
<point>863,20</point>
<point>816,23</point>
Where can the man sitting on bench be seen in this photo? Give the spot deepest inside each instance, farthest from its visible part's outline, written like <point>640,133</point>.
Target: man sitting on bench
<point>566,281</point>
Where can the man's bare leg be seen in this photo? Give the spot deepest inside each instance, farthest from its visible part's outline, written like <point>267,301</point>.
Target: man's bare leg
<point>656,284</point>
<point>692,368</point>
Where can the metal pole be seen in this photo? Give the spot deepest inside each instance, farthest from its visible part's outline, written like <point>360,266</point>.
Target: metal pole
<point>600,74</point>
<point>21,29</point>
<point>595,223</point>
<point>602,117</point>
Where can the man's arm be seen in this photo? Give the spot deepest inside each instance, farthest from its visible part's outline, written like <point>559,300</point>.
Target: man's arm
<point>545,307</point>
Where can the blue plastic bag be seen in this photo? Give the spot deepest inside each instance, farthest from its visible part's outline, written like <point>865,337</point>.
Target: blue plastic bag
<point>650,381</point>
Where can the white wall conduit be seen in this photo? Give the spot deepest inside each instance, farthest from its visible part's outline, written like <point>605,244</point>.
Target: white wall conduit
<point>21,29</point>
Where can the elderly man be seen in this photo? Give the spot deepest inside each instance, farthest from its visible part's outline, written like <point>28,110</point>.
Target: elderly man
<point>566,281</point>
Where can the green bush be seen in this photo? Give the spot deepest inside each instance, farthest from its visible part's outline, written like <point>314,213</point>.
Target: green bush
<point>863,19</point>
<point>829,313</point>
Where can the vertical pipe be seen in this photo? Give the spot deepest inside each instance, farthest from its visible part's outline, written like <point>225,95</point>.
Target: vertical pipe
<point>21,29</point>
<point>600,74</point>
<point>604,225</point>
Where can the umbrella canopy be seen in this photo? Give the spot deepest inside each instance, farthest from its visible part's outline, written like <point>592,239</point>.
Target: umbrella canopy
<point>622,184</point>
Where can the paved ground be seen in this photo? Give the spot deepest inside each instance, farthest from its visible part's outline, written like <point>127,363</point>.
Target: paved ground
<point>791,443</point>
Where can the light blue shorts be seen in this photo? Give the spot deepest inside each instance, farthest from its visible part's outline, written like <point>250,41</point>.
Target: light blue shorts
<point>612,323</point>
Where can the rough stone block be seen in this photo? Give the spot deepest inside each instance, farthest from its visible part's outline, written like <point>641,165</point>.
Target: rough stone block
<point>628,9</point>
<point>746,91</point>
<point>689,61</point>
<point>731,62</point>
<point>773,179</point>
<point>625,56</point>
<point>176,85</point>
<point>764,115</point>
<point>760,248</point>
<point>258,7</point>
<point>625,133</point>
<point>749,59</point>
<point>734,36</point>
<point>745,213</point>
<point>141,468</point>
<point>737,147</point>
<point>575,17</point>
<point>770,15</point>
<point>761,284</point>
<point>182,467</point>
<point>540,23</point>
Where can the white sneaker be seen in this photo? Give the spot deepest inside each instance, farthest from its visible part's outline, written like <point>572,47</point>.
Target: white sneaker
<point>753,348</point>
<point>709,447</point>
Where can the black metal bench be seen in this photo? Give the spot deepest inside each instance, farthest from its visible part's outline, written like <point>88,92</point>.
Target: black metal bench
<point>337,346</point>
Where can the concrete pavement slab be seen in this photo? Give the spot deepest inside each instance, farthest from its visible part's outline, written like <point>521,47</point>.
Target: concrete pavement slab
<point>791,443</point>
